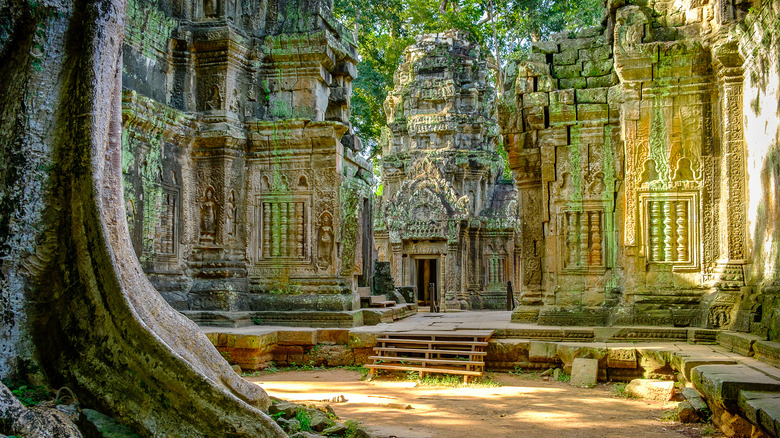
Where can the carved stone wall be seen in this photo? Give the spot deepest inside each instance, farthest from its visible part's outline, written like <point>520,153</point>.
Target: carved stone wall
<point>444,198</point>
<point>632,136</point>
<point>243,184</point>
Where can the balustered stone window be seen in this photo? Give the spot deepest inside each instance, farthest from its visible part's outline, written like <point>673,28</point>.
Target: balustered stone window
<point>284,229</point>
<point>669,226</point>
<point>583,237</point>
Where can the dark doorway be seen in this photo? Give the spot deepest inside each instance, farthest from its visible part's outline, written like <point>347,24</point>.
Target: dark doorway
<point>426,274</point>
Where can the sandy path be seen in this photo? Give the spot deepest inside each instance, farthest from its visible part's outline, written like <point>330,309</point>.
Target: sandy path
<point>522,407</point>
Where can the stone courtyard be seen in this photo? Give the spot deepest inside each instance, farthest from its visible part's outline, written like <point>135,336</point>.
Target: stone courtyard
<point>184,190</point>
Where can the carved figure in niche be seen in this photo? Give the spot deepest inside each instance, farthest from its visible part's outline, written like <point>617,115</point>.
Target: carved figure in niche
<point>598,186</point>
<point>235,105</point>
<point>719,317</point>
<point>210,8</point>
<point>215,99</point>
<point>565,188</point>
<point>649,174</point>
<point>302,183</point>
<point>265,184</point>
<point>325,241</point>
<point>230,215</point>
<point>208,216</point>
<point>684,171</point>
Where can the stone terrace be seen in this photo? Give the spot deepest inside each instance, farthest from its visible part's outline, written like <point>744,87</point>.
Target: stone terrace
<point>737,374</point>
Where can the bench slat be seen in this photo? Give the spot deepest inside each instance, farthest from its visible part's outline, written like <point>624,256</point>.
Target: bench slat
<point>423,369</point>
<point>419,350</point>
<point>424,360</point>
<point>437,342</point>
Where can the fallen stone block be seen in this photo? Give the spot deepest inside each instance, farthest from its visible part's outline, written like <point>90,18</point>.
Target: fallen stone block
<point>651,389</point>
<point>762,408</point>
<point>584,372</point>
<point>693,397</point>
<point>686,413</point>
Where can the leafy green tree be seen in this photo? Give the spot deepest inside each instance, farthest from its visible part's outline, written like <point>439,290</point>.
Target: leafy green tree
<point>384,29</point>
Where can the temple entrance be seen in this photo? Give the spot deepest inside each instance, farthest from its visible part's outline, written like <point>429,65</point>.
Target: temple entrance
<point>427,270</point>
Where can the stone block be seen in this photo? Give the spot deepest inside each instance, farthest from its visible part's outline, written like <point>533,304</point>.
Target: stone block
<point>596,53</point>
<point>545,47</point>
<point>592,112</point>
<point>602,81</point>
<point>740,343</point>
<point>567,83</point>
<point>693,397</point>
<point>721,384</point>
<point>597,68</point>
<point>333,336</point>
<point>535,99</point>
<point>686,413</point>
<point>546,83</point>
<point>578,43</point>
<point>621,357</point>
<point>542,351</point>
<point>592,95</point>
<point>566,57</point>
<point>651,389</point>
<point>767,352</point>
<point>524,85</point>
<point>584,372</point>
<point>507,351</point>
<point>534,118</point>
<point>297,337</point>
<point>567,71</point>
<point>590,32</point>
<point>762,408</point>
<point>360,339</point>
<point>567,352</point>
<point>562,96</point>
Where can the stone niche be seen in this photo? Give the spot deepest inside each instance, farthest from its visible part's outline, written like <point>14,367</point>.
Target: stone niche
<point>446,216</point>
<point>243,184</point>
<point>626,140</point>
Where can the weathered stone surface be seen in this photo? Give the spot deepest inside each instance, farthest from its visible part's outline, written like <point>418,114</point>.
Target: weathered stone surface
<point>762,408</point>
<point>621,170</point>
<point>584,372</point>
<point>444,191</point>
<point>722,383</point>
<point>686,413</point>
<point>542,351</point>
<point>651,389</point>
<point>694,399</point>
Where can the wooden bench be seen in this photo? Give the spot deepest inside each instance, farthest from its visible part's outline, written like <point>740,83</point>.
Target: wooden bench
<point>459,352</point>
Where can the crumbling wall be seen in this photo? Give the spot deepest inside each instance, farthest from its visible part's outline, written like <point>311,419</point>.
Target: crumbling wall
<point>759,41</point>
<point>239,154</point>
<point>633,136</point>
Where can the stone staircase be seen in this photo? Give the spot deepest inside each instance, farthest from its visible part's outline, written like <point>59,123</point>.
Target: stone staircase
<point>438,352</point>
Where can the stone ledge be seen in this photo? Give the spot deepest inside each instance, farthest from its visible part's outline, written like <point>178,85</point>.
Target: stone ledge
<point>740,343</point>
<point>721,384</point>
<point>762,408</point>
<point>767,352</point>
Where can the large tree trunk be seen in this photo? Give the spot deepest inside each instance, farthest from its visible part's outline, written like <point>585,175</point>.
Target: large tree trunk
<point>73,298</point>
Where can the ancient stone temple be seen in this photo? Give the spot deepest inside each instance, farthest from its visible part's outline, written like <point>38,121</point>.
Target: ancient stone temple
<point>447,218</point>
<point>243,187</point>
<point>628,149</point>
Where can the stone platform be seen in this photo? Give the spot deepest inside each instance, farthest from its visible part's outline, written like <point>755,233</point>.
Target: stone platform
<point>345,318</point>
<point>736,373</point>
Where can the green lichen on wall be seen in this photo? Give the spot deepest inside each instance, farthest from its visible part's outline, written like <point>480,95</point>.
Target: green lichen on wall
<point>147,28</point>
<point>142,164</point>
<point>352,191</point>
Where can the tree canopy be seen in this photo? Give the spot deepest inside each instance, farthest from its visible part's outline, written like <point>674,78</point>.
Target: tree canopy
<point>384,29</point>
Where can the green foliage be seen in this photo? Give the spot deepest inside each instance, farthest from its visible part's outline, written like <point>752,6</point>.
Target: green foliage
<point>227,356</point>
<point>619,389</point>
<point>384,29</point>
<point>352,428</point>
<point>29,395</point>
<point>563,377</point>
<point>303,417</point>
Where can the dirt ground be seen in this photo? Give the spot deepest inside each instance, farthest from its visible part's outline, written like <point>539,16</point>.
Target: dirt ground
<point>523,406</point>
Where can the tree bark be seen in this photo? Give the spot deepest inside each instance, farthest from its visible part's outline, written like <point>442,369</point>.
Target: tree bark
<point>77,303</point>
